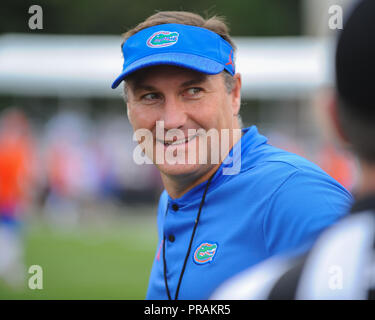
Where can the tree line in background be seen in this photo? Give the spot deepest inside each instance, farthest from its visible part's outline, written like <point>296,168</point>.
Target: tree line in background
<point>245,18</point>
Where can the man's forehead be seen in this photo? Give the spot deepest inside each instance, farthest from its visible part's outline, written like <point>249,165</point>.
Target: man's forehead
<point>145,75</point>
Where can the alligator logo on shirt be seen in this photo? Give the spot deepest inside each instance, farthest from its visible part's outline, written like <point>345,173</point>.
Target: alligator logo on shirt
<point>205,252</point>
<point>162,39</point>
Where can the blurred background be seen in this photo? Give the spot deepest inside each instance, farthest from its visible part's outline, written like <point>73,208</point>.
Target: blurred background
<point>71,198</point>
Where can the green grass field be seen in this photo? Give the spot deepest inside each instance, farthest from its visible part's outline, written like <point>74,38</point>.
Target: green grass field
<point>91,261</point>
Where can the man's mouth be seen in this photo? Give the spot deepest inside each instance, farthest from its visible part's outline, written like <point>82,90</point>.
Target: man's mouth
<point>177,142</point>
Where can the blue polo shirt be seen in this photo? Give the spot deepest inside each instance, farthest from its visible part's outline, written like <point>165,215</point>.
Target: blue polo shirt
<point>277,203</point>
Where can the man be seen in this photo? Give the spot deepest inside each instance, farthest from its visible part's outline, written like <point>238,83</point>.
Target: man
<point>224,211</point>
<point>341,263</point>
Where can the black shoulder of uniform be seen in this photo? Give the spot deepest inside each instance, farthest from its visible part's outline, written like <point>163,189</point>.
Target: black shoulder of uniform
<point>286,286</point>
<point>365,203</point>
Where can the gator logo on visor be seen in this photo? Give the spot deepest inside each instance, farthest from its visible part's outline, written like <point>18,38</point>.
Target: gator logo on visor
<point>205,252</point>
<point>162,39</point>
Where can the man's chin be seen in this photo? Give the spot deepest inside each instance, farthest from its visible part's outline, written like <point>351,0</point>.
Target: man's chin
<point>181,170</point>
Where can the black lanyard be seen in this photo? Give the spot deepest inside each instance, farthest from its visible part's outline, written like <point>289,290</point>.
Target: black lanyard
<point>189,249</point>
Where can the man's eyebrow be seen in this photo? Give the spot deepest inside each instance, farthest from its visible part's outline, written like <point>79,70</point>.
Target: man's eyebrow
<point>138,86</point>
<point>143,87</point>
<point>195,81</point>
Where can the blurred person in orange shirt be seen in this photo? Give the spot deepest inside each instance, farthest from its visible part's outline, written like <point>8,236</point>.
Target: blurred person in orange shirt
<point>16,163</point>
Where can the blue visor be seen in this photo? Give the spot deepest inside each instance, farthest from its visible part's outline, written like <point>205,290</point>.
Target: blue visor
<point>180,45</point>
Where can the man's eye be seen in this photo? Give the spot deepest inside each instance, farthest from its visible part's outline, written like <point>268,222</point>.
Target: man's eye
<point>150,96</point>
<point>193,92</point>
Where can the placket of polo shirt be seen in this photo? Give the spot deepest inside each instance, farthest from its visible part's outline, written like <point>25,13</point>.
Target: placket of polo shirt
<point>169,222</point>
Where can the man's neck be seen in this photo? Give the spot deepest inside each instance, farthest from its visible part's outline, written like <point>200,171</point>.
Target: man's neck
<point>178,186</point>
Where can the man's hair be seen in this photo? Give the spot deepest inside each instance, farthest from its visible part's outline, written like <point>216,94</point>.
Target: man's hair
<point>355,74</point>
<point>215,24</point>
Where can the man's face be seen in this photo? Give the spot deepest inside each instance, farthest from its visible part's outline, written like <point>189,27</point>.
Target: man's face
<point>186,100</point>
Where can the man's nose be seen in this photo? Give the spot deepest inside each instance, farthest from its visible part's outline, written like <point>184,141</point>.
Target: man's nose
<point>174,113</point>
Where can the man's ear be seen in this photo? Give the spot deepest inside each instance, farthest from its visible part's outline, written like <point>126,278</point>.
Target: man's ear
<point>334,119</point>
<point>126,99</point>
<point>236,94</point>
<point>127,111</point>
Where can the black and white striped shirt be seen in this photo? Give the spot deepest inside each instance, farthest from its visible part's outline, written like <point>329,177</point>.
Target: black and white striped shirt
<point>341,265</point>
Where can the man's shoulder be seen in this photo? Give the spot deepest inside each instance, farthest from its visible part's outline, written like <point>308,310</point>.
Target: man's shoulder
<point>273,157</point>
<point>275,165</point>
<point>298,181</point>
<point>256,151</point>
